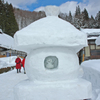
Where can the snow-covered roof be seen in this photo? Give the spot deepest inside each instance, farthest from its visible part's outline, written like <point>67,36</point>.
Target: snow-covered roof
<point>91,31</point>
<point>49,31</point>
<point>6,41</point>
<point>91,38</point>
<point>97,41</point>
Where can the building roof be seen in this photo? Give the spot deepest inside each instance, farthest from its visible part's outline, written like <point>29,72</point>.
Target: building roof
<point>91,31</point>
<point>6,41</point>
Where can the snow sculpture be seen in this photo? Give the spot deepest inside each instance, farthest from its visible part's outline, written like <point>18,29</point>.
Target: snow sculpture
<point>52,64</point>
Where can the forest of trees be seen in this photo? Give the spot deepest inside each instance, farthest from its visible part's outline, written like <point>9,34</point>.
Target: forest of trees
<point>8,22</point>
<point>24,17</point>
<point>13,19</point>
<point>81,19</point>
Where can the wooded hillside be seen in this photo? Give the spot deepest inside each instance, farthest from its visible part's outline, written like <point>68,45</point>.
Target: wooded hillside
<point>13,19</point>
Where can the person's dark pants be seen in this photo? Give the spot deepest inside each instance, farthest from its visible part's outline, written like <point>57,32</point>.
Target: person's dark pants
<point>18,70</point>
<point>24,70</point>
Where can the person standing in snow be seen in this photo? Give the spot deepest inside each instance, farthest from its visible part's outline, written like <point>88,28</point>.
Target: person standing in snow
<point>23,64</point>
<point>18,64</point>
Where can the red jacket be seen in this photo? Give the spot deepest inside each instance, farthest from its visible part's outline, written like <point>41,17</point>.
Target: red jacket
<point>18,63</point>
<point>23,62</point>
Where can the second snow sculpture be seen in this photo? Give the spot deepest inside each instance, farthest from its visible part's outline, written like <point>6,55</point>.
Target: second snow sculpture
<point>52,64</point>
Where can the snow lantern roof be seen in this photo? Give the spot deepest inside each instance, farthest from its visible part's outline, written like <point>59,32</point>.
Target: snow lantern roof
<point>49,31</point>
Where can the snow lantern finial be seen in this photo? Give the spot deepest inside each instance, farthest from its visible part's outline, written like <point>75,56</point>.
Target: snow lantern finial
<point>52,10</point>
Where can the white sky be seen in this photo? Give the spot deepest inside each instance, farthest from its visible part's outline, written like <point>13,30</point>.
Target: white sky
<point>93,6</point>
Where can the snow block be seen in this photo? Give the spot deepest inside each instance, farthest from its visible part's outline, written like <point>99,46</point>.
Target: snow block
<point>66,90</point>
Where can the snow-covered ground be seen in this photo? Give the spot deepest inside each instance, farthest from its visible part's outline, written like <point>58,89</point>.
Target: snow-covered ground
<point>9,79</point>
<point>7,61</point>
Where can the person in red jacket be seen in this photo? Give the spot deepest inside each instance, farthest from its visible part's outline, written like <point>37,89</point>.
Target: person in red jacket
<point>23,64</point>
<point>18,64</point>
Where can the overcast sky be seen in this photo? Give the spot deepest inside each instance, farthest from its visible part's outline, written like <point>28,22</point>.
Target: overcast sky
<point>92,6</point>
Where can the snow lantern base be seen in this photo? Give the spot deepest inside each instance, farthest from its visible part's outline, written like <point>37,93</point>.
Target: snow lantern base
<point>77,89</point>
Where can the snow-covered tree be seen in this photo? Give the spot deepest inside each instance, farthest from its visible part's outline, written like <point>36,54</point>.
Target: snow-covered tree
<point>25,18</point>
<point>78,11</point>
<point>97,18</point>
<point>7,19</point>
<point>70,17</point>
<point>85,14</point>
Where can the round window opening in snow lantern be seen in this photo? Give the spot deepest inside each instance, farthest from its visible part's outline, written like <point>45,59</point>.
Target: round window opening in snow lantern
<point>51,62</point>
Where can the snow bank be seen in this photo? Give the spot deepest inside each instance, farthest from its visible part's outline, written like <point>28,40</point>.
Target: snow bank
<point>7,61</point>
<point>92,73</point>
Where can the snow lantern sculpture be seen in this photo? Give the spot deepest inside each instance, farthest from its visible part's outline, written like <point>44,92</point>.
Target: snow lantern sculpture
<point>52,65</point>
